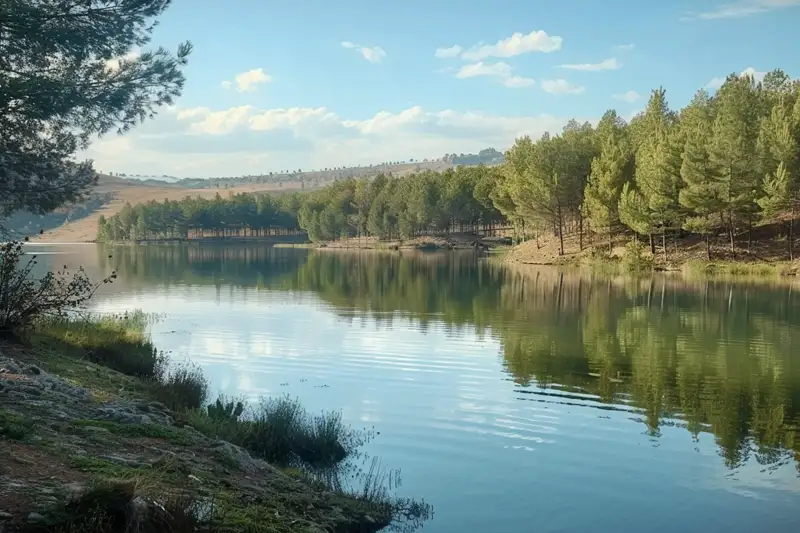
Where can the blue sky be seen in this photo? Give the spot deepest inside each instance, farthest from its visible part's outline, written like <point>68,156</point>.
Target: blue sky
<point>311,84</point>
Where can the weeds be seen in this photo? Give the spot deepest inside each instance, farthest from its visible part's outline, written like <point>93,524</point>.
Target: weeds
<point>182,388</point>
<point>119,342</point>
<point>281,431</point>
<point>14,427</point>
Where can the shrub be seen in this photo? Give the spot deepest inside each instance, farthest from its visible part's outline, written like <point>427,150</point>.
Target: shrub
<point>24,299</point>
<point>281,431</point>
<point>636,258</point>
<point>184,387</point>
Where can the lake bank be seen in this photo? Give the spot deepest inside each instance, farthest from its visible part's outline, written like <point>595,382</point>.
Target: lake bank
<point>82,435</point>
<point>765,258</point>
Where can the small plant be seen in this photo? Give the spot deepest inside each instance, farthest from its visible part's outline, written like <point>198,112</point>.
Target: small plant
<point>225,411</point>
<point>183,388</point>
<point>24,299</point>
<point>636,258</point>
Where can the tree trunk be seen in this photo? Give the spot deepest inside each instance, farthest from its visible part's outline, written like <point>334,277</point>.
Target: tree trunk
<point>664,242</point>
<point>708,246</point>
<point>749,233</point>
<point>580,231</point>
<point>652,244</point>
<point>791,234</point>
<point>560,232</point>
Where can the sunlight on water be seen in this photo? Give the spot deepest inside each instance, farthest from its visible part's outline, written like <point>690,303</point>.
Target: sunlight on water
<point>512,400</point>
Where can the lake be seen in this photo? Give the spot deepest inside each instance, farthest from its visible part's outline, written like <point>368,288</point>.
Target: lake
<point>511,399</point>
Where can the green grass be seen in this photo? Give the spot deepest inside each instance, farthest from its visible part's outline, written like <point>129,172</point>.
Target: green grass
<point>120,342</point>
<point>14,427</point>
<point>743,269</point>
<point>281,431</point>
<point>155,431</point>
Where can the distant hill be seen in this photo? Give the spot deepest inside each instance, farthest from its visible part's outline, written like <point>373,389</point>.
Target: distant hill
<point>78,223</point>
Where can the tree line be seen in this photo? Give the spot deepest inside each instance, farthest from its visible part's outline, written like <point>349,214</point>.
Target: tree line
<point>720,166</point>
<point>386,207</point>
<point>238,215</point>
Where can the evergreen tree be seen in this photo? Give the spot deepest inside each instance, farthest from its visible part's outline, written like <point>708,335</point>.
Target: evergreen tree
<point>657,166</point>
<point>60,84</point>
<point>733,153</point>
<point>602,194</point>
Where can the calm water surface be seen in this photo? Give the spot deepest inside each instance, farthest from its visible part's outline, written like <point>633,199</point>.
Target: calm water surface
<point>512,400</point>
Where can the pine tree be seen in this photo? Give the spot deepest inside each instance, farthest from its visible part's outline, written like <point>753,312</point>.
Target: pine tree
<point>634,213</point>
<point>733,153</point>
<point>602,194</point>
<point>778,158</point>
<point>657,166</point>
<point>701,194</point>
<point>60,85</point>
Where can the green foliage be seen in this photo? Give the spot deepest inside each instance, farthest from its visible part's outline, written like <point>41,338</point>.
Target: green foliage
<point>225,411</point>
<point>14,427</point>
<point>23,299</point>
<point>116,341</point>
<point>182,387</point>
<point>637,259</point>
<point>57,90</point>
<point>281,431</point>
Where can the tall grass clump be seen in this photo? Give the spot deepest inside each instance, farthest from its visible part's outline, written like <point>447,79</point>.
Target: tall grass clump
<point>120,342</point>
<point>181,387</point>
<point>282,431</point>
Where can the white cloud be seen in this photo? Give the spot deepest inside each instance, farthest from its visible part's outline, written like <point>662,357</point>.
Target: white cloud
<point>606,64</point>
<point>629,46</point>
<point>742,8</point>
<point>517,44</point>
<point>248,81</point>
<point>561,86</point>
<point>373,54</point>
<point>516,82</point>
<point>480,68</point>
<point>629,96</point>
<point>452,51</point>
<point>114,62</point>
<point>500,70</point>
<point>717,81</point>
<point>204,142</point>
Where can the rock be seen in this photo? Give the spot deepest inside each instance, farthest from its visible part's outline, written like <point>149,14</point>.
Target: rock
<point>122,461</point>
<point>35,518</point>
<point>4,515</point>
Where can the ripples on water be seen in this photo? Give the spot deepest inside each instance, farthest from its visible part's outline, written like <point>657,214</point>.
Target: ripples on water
<point>512,400</point>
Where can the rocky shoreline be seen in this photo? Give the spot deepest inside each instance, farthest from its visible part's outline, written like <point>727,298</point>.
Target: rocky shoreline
<point>68,426</point>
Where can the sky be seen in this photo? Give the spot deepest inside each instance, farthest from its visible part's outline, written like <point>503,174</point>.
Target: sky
<point>310,84</point>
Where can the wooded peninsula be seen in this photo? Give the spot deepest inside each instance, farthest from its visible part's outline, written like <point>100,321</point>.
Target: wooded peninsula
<point>711,174</point>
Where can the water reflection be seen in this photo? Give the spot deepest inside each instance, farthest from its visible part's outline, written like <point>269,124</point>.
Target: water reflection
<point>711,357</point>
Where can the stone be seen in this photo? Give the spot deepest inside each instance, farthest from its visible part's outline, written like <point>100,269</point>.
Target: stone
<point>4,514</point>
<point>35,518</point>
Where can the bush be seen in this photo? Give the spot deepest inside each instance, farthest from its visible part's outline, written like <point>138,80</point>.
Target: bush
<point>24,299</point>
<point>183,388</point>
<point>119,342</point>
<point>636,258</point>
<point>281,431</point>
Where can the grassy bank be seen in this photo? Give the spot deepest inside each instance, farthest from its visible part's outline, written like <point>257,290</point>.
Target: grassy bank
<point>104,433</point>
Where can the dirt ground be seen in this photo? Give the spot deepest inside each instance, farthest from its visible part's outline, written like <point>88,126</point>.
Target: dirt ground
<point>767,245</point>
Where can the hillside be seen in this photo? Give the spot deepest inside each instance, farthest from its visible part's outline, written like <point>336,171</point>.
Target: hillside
<point>129,191</point>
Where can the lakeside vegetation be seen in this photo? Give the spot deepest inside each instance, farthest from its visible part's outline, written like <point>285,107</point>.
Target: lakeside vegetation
<point>113,357</point>
<point>715,170</point>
